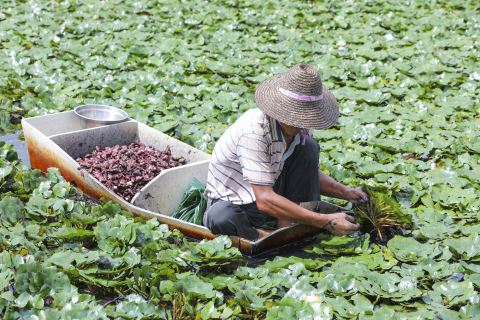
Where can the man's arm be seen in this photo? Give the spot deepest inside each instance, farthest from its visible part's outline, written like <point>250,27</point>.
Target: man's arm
<point>331,188</point>
<point>283,209</point>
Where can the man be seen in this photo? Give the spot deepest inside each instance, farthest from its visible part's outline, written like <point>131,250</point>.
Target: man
<point>266,163</point>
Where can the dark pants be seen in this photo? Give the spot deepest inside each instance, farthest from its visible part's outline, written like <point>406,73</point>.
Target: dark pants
<point>298,182</point>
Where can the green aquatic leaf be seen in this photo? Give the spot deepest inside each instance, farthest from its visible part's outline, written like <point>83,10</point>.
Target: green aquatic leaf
<point>454,293</point>
<point>439,270</point>
<point>71,260</point>
<point>471,311</point>
<point>7,152</point>
<point>408,249</point>
<point>380,260</point>
<point>283,262</point>
<point>474,278</point>
<point>466,248</point>
<point>451,197</point>
<point>192,285</point>
<point>116,234</point>
<point>209,311</point>
<point>72,234</point>
<point>334,245</point>
<point>392,286</point>
<point>216,252</point>
<point>5,171</point>
<point>357,306</point>
<point>294,309</point>
<point>135,306</point>
<point>435,224</point>
<point>35,278</point>
<point>11,211</point>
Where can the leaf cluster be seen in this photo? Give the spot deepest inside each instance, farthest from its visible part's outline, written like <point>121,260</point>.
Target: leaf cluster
<point>381,215</point>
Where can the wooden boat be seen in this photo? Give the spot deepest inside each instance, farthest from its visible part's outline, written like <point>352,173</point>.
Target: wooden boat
<point>56,140</point>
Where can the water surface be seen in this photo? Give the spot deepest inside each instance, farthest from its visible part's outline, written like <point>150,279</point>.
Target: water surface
<point>18,144</point>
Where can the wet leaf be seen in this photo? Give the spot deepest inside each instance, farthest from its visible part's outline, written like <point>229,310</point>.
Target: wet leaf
<point>466,248</point>
<point>408,249</point>
<point>454,293</point>
<point>345,245</point>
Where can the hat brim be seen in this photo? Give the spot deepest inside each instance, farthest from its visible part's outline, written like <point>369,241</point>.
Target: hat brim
<point>320,114</point>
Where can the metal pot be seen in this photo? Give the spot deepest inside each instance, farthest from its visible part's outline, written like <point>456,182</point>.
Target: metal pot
<point>96,115</point>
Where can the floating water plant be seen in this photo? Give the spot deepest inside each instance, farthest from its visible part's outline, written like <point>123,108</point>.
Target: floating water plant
<point>381,215</point>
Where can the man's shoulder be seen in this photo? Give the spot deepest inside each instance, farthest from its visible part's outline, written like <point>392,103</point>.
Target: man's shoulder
<point>252,122</point>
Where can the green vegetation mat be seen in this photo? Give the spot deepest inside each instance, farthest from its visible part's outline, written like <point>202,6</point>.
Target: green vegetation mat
<point>406,75</point>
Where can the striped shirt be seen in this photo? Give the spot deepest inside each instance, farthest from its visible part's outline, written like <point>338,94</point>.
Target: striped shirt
<point>251,151</point>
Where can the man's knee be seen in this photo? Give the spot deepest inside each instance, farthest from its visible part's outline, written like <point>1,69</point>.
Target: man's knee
<point>219,218</point>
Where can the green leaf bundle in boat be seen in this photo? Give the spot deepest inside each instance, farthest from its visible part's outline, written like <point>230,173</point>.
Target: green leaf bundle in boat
<point>193,204</point>
<point>381,215</point>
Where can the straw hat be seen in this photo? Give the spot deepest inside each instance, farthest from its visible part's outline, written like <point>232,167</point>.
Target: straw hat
<point>298,98</point>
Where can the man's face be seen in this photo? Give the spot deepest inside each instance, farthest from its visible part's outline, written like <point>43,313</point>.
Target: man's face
<point>289,130</point>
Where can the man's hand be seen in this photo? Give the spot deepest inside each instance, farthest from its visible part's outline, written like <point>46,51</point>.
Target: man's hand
<point>355,195</point>
<point>341,224</point>
<point>330,187</point>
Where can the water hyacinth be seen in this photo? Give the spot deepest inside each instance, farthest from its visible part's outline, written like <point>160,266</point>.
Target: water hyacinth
<point>381,216</point>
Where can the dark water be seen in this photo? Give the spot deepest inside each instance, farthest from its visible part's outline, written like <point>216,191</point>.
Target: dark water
<point>18,144</point>
<point>293,249</point>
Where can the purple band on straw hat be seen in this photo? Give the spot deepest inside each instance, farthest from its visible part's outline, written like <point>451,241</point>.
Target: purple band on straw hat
<point>300,97</point>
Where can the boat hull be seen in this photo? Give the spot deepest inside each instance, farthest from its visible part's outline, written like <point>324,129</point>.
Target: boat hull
<point>52,145</point>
